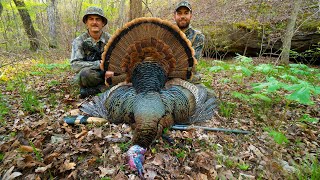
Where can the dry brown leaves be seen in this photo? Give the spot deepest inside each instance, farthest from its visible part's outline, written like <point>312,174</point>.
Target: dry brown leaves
<point>40,146</point>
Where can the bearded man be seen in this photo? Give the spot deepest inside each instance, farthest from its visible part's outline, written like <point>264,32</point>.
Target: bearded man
<point>182,16</point>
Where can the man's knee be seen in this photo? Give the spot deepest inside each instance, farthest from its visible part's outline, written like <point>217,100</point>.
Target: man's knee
<point>90,77</point>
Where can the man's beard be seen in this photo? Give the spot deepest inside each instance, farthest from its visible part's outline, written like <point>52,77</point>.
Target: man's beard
<point>184,26</point>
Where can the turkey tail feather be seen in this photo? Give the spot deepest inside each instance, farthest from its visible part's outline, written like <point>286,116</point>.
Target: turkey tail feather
<point>96,107</point>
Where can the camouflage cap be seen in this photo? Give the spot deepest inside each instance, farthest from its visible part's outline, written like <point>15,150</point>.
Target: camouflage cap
<point>94,11</point>
<point>184,4</point>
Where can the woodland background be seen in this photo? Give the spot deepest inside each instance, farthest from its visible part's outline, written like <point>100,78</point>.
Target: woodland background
<point>246,63</point>
<point>247,27</point>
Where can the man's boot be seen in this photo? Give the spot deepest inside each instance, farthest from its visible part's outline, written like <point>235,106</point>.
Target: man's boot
<point>87,91</point>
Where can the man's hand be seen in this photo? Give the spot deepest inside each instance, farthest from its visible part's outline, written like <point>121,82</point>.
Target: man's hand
<point>108,74</point>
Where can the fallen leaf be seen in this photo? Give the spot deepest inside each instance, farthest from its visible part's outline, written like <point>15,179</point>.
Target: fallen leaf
<point>49,158</point>
<point>74,112</point>
<point>202,176</point>
<point>92,161</point>
<point>83,133</point>
<point>256,151</point>
<point>67,166</point>
<point>43,169</point>
<point>226,175</point>
<point>26,149</point>
<point>158,160</point>
<point>106,171</point>
<point>73,174</point>
<point>246,176</point>
<point>27,161</point>
<point>97,132</point>
<point>121,176</point>
<point>150,174</point>
<point>9,175</point>
<point>96,150</point>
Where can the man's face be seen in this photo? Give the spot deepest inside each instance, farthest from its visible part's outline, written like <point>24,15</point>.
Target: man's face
<point>94,23</point>
<point>182,17</point>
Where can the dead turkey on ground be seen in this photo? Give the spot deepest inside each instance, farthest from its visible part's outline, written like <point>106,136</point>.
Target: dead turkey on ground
<point>156,61</point>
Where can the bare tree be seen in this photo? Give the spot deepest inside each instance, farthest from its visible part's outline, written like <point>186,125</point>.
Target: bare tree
<point>289,33</point>
<point>135,9</point>
<point>52,17</point>
<point>27,23</point>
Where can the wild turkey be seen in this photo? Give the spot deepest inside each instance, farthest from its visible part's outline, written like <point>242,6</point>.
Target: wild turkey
<point>156,58</point>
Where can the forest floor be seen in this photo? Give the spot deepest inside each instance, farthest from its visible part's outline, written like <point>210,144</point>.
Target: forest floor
<point>35,143</point>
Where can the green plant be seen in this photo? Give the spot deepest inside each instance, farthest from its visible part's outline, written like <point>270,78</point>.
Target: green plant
<point>271,85</point>
<point>53,66</point>
<point>181,154</point>
<point>165,130</point>
<point>13,134</point>
<point>53,83</point>
<point>153,150</point>
<point>30,102</point>
<point>309,168</point>
<point>4,110</point>
<point>53,99</point>
<point>124,146</point>
<point>278,137</point>
<point>36,152</point>
<point>122,167</point>
<point>243,166</point>
<point>307,118</point>
<point>99,160</point>
<point>80,158</point>
<point>226,109</point>
<point>1,156</point>
<point>266,69</point>
<point>229,163</point>
<point>105,178</point>
<point>302,92</point>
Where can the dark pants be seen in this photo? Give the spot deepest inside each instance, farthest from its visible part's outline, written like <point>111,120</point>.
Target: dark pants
<point>91,77</point>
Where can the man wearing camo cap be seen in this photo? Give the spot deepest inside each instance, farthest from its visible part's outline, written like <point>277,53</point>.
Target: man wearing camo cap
<point>86,53</point>
<point>182,16</point>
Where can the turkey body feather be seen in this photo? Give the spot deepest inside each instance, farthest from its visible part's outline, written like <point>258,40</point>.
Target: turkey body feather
<point>152,111</point>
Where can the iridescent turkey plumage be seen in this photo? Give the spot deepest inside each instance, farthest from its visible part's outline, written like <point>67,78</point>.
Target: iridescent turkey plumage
<point>156,60</point>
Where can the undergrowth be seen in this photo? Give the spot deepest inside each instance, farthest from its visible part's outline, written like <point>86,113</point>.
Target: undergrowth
<point>271,95</point>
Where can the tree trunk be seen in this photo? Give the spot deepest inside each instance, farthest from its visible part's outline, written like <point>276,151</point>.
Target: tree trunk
<point>52,17</point>
<point>1,8</point>
<point>289,33</point>
<point>27,23</point>
<point>135,9</point>
<point>121,13</point>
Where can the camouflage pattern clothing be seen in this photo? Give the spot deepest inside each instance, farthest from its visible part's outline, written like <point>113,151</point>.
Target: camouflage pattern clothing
<point>85,59</point>
<point>197,41</point>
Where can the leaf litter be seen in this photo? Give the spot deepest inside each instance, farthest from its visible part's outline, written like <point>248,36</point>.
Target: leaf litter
<point>40,145</point>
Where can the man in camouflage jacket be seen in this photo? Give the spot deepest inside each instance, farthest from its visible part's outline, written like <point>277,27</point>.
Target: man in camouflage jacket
<point>86,53</point>
<point>182,16</point>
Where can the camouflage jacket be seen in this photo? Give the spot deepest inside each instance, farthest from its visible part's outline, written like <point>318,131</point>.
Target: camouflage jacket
<point>86,52</point>
<point>197,41</point>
